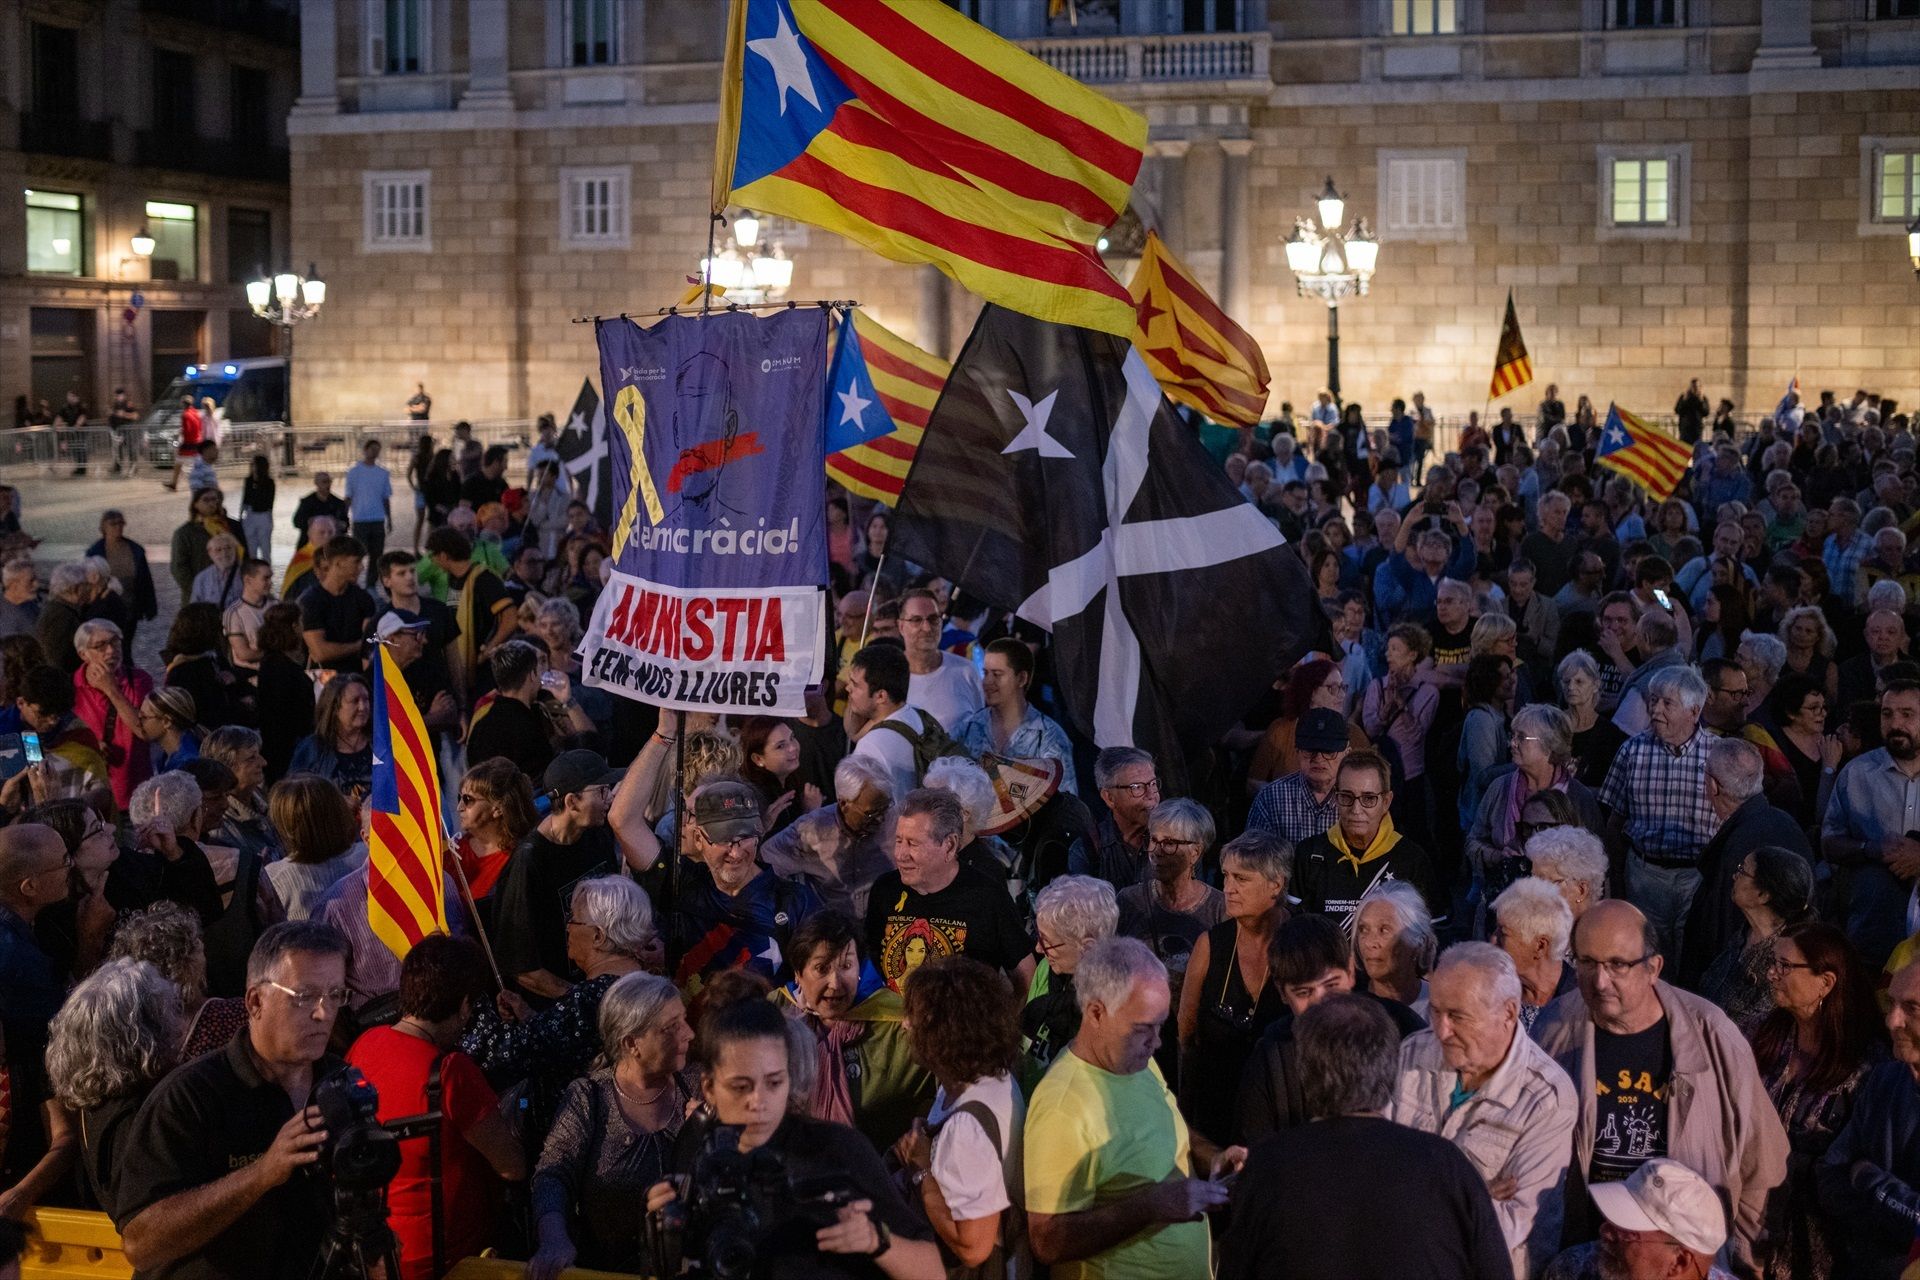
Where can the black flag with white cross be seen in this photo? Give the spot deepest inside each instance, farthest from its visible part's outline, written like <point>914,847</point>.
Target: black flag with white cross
<point>1054,480</point>
<point>582,446</point>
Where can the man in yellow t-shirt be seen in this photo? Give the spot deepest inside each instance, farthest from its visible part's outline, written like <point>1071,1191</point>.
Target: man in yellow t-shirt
<point>1109,1161</point>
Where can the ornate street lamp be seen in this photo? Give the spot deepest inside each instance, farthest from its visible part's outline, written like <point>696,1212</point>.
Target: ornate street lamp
<point>286,299</point>
<point>1331,264</point>
<point>749,271</point>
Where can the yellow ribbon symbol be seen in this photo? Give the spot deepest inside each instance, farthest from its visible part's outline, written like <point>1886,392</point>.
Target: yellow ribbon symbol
<point>630,411</point>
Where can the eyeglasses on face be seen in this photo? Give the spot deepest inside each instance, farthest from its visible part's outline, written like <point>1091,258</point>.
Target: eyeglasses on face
<point>1168,842</point>
<point>1616,969</point>
<point>1777,965</point>
<point>1137,789</point>
<point>1367,800</point>
<point>307,999</point>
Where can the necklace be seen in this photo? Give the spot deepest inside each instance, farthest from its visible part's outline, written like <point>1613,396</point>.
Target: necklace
<point>641,1102</point>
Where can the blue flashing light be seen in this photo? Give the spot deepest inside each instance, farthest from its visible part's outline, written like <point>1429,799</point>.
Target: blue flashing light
<point>193,371</point>
<point>230,370</point>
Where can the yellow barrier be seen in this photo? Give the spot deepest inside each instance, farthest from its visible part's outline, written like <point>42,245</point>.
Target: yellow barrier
<point>501,1269</point>
<point>72,1244</point>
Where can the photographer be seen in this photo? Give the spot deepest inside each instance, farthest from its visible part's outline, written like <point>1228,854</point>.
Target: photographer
<point>745,1081</point>
<point>441,981</point>
<point>216,1181</point>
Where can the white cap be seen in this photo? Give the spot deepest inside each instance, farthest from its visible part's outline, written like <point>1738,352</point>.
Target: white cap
<point>398,620</point>
<point>1667,1197</point>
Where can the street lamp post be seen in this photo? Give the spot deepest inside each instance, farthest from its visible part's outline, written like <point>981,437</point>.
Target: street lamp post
<point>750,272</point>
<point>1330,264</point>
<point>286,299</point>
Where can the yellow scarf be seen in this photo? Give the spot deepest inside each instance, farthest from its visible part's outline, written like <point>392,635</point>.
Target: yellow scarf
<point>1383,841</point>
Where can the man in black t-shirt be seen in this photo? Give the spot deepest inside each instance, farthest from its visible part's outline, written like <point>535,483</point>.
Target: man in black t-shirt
<point>931,906</point>
<point>216,1178</point>
<point>490,482</point>
<point>532,905</point>
<point>515,723</point>
<point>335,611</point>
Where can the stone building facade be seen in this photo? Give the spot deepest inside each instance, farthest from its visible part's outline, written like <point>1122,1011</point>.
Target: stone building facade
<point>123,115</point>
<point>1669,187</point>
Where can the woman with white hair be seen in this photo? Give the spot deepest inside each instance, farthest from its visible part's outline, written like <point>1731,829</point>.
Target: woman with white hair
<point>970,785</point>
<point>614,1135</point>
<point>1226,1000</point>
<point>219,583</point>
<point>610,934</point>
<point>108,691</point>
<point>1171,908</point>
<point>164,812</point>
<point>1810,642</point>
<point>1394,941</point>
<point>1573,861</point>
<point>1594,738</point>
<point>843,847</point>
<point>1070,915</point>
<point>1534,925</point>
<point>116,1035</point>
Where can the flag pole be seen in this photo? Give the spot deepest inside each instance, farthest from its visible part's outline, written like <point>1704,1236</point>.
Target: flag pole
<point>867,621</point>
<point>664,916</point>
<point>466,901</point>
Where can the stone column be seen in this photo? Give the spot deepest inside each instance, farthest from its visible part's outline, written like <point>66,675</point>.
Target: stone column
<point>936,329</point>
<point>486,57</point>
<point>1170,185</point>
<point>1236,261</point>
<point>1786,36</point>
<point>319,58</point>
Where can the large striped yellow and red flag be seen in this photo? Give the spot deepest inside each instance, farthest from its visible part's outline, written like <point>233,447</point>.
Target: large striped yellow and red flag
<point>908,382</point>
<point>406,843</point>
<point>921,135</point>
<point>1512,369</point>
<point>1199,355</point>
<point>1645,455</point>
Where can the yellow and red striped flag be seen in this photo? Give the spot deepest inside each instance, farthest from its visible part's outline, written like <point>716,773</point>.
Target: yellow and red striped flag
<point>1511,367</point>
<point>1645,455</point>
<point>908,381</point>
<point>1199,355</point>
<point>921,135</point>
<point>406,843</point>
<point>302,561</point>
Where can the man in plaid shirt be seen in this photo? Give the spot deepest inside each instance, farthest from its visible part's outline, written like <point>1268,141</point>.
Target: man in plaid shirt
<point>1656,799</point>
<point>1300,805</point>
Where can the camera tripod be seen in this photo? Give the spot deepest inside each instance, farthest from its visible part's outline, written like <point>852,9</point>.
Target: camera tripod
<point>357,1239</point>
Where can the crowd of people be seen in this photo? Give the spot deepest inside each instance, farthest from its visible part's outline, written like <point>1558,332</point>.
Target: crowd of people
<point>1564,892</point>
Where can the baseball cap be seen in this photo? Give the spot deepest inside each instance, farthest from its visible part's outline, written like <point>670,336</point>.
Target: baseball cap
<point>1321,729</point>
<point>575,771</point>
<point>727,810</point>
<point>1665,1196</point>
<point>398,620</point>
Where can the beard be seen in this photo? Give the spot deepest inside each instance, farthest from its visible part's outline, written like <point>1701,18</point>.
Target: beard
<point>1900,745</point>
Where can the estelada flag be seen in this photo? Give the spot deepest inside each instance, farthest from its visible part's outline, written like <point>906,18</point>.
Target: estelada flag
<point>301,563</point>
<point>406,846</point>
<point>921,135</point>
<point>1511,367</point>
<point>1645,455</point>
<point>1199,355</point>
<point>906,382</point>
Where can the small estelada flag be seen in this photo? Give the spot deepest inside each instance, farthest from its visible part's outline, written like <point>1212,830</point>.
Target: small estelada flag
<point>1643,454</point>
<point>1197,353</point>
<point>1511,367</point>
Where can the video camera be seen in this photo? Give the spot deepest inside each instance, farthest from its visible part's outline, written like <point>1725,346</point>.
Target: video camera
<point>360,1157</point>
<point>733,1203</point>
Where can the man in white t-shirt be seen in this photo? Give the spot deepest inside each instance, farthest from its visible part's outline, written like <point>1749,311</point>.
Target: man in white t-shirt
<point>877,684</point>
<point>944,684</point>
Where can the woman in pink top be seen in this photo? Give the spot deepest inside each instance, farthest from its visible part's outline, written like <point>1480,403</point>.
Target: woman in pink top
<point>107,694</point>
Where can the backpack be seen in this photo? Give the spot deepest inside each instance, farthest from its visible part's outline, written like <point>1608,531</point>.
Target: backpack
<point>929,744</point>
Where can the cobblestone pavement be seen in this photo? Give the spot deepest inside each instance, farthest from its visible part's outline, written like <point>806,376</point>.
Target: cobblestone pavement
<point>64,513</point>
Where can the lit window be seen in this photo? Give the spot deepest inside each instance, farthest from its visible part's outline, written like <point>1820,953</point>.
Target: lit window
<point>1425,17</point>
<point>175,229</point>
<point>398,206</point>
<point>1641,196</point>
<point>1897,187</point>
<point>593,208</point>
<point>56,233</point>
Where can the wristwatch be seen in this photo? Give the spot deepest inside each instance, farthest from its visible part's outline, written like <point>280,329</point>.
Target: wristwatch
<point>883,1236</point>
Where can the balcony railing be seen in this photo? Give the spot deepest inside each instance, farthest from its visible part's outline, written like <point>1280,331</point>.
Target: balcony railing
<point>1119,59</point>
<point>66,136</point>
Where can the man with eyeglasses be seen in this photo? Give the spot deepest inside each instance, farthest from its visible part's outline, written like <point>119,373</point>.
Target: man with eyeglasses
<point>33,877</point>
<point>1362,849</point>
<point>217,1184</point>
<point>1660,1072</point>
<point>1129,786</point>
<point>597,826</point>
<point>843,847</point>
<point>945,685</point>
<point>732,912</point>
<point>1300,806</point>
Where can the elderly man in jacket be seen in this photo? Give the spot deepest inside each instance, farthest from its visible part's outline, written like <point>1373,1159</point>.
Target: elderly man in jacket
<point>1660,1072</point>
<point>1480,1082</point>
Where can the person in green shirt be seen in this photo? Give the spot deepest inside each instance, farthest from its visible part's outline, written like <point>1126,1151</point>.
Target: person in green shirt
<point>1109,1162</point>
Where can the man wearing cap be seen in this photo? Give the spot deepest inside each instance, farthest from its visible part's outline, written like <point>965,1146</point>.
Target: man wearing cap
<point>1869,1178</point>
<point>597,825</point>
<point>1300,805</point>
<point>405,636</point>
<point>1660,1072</point>
<point>732,912</point>
<point>1664,1222</point>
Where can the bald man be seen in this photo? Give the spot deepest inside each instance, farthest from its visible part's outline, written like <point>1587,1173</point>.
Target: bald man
<point>1659,1072</point>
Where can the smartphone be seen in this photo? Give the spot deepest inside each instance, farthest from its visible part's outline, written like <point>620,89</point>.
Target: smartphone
<point>1666,601</point>
<point>550,679</point>
<point>31,741</point>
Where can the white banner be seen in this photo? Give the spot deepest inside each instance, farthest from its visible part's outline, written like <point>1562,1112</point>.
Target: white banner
<point>747,651</point>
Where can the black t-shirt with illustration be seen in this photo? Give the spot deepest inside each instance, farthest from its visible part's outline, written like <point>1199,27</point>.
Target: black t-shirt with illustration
<point>1631,1075</point>
<point>972,916</point>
